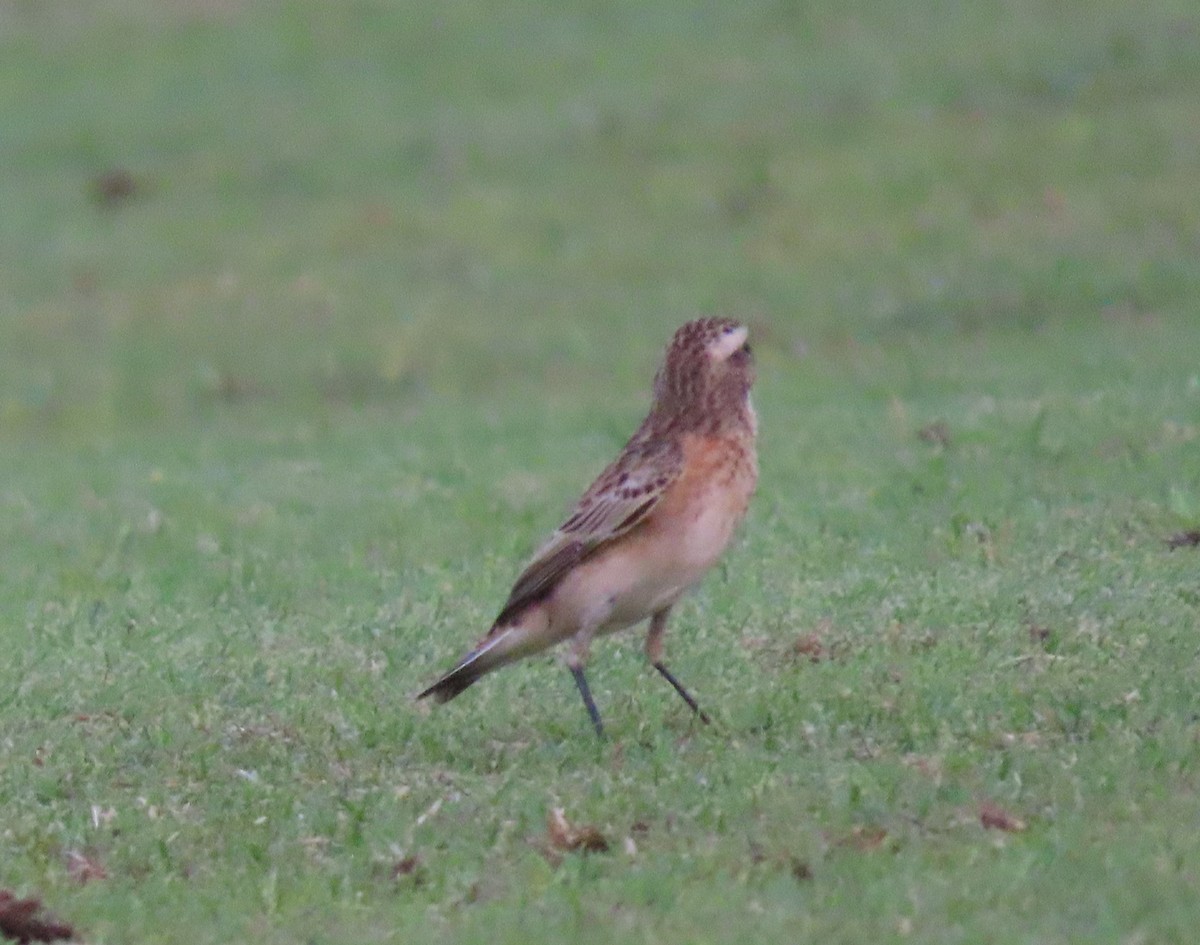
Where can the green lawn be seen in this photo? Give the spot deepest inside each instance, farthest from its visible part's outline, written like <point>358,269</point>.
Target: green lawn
<point>279,427</point>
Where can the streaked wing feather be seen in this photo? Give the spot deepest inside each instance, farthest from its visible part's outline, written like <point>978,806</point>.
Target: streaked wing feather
<point>621,497</point>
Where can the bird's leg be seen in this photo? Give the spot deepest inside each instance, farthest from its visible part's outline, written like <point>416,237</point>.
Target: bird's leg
<point>581,682</point>
<point>654,651</point>
<point>576,660</point>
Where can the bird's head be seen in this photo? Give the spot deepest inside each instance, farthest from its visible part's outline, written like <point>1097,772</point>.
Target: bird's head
<point>708,369</point>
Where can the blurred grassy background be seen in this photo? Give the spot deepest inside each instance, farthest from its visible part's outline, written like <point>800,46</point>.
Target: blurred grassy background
<point>364,201</point>
<point>314,316</point>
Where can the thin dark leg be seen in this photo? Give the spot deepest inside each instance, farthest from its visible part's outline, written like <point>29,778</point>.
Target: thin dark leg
<point>687,696</point>
<point>581,682</point>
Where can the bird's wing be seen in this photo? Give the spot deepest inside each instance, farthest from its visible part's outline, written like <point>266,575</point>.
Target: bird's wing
<point>621,497</point>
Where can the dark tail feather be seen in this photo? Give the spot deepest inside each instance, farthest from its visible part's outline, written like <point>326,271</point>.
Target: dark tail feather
<point>454,682</point>
<point>469,669</point>
<point>501,645</point>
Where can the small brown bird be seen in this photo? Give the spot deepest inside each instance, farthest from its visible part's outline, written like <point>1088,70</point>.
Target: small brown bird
<point>648,528</point>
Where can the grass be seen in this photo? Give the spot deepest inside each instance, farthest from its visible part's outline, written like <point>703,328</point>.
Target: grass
<point>278,429</point>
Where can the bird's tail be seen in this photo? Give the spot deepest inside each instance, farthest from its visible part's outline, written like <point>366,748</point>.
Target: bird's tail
<point>455,681</point>
<point>502,645</point>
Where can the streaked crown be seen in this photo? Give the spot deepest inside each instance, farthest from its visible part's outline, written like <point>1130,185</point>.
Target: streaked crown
<point>708,370</point>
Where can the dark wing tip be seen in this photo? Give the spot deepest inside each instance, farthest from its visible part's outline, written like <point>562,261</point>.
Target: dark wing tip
<point>537,581</point>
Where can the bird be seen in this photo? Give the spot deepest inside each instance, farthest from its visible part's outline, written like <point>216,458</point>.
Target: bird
<point>647,529</point>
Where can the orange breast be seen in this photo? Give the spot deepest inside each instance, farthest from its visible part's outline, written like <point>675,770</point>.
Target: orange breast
<point>706,503</point>
<point>651,566</point>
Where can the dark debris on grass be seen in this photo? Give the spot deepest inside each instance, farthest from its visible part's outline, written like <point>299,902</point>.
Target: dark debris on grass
<point>113,187</point>
<point>1185,539</point>
<point>21,921</point>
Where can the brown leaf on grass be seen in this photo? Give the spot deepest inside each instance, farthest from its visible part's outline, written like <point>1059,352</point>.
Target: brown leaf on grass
<point>83,867</point>
<point>590,840</point>
<point>408,866</point>
<point>563,836</point>
<point>995,817</point>
<point>1188,539</point>
<point>936,433</point>
<point>19,920</point>
<point>801,871</point>
<point>1037,633</point>
<point>810,645</point>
